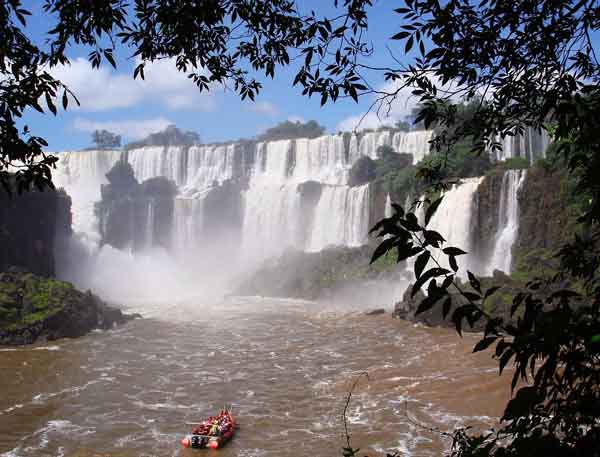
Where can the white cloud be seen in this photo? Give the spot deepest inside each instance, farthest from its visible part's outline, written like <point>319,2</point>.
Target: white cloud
<point>387,114</point>
<point>398,109</point>
<point>263,107</point>
<point>132,129</point>
<point>103,89</point>
<point>362,122</point>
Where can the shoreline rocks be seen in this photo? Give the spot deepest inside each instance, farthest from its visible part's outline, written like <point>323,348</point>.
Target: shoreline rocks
<point>36,309</point>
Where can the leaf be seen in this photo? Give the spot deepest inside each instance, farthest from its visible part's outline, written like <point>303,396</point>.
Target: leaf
<point>457,317</point>
<point>421,263</point>
<point>433,272</point>
<point>382,249</point>
<point>427,304</point>
<point>475,284</point>
<point>400,36</point>
<point>108,55</point>
<point>523,404</point>
<point>491,291</point>
<point>65,100</point>
<point>505,358</point>
<point>431,209</point>
<point>433,238</point>
<point>407,251</point>
<point>471,296</point>
<point>453,251</point>
<point>453,264</point>
<point>409,44</point>
<point>50,103</point>
<point>446,307</point>
<point>484,343</point>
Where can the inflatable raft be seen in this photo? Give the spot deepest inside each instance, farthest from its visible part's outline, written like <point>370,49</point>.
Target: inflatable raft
<point>212,432</point>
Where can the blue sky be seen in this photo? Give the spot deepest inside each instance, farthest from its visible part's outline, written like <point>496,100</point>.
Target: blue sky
<point>113,100</point>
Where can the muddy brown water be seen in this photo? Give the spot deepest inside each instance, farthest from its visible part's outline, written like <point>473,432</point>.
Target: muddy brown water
<point>285,366</point>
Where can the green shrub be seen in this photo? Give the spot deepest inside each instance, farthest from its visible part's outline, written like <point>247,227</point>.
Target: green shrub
<point>516,163</point>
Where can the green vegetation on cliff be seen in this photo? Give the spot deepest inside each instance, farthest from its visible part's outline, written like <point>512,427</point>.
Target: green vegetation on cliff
<point>34,308</point>
<point>26,298</point>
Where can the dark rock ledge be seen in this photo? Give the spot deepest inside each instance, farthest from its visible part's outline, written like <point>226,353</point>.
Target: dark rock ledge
<point>36,309</point>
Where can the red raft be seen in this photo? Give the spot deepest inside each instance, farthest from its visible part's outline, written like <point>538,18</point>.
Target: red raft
<point>212,432</point>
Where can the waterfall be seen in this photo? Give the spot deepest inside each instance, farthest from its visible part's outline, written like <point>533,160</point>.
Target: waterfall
<point>371,141</point>
<point>388,210</point>
<point>321,159</point>
<point>151,161</point>
<point>415,142</point>
<point>81,173</point>
<point>187,224</point>
<point>341,217</point>
<point>271,204</point>
<point>209,164</point>
<point>453,221</point>
<point>531,144</point>
<point>273,216</point>
<point>149,238</point>
<point>508,221</point>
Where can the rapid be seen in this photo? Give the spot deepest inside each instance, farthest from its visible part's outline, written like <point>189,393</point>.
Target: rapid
<point>286,366</point>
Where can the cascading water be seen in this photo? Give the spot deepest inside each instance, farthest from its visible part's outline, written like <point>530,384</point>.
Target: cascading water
<point>531,145</point>
<point>187,220</point>
<point>388,211</point>
<point>508,221</point>
<point>271,204</point>
<point>453,221</point>
<point>149,238</point>
<point>415,143</point>
<point>321,159</point>
<point>151,161</point>
<point>277,209</point>
<point>341,217</point>
<point>210,164</point>
<point>81,173</point>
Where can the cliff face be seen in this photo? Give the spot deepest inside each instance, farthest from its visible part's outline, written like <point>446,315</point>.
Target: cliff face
<point>547,220</point>
<point>486,217</point>
<point>33,309</point>
<point>30,226</point>
<point>223,212</point>
<point>133,215</point>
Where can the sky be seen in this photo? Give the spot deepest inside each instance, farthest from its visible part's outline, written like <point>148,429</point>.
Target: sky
<point>113,100</point>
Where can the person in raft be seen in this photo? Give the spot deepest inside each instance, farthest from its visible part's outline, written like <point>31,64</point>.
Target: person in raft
<point>215,430</point>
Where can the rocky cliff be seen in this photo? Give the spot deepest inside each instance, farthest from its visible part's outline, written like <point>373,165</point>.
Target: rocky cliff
<point>31,225</point>
<point>547,219</point>
<point>135,215</point>
<point>33,308</point>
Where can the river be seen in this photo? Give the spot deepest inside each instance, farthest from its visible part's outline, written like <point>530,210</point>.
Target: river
<point>286,366</point>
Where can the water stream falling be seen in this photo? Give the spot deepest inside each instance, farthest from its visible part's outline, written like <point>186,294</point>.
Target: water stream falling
<point>453,220</point>
<point>508,221</point>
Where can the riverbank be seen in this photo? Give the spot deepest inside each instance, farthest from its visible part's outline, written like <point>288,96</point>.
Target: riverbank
<point>36,309</point>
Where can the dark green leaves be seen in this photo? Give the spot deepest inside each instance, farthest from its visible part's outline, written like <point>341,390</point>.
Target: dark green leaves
<point>429,274</point>
<point>421,262</point>
<point>451,251</point>
<point>484,343</point>
<point>432,209</point>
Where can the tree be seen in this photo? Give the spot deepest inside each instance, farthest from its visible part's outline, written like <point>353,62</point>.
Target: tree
<point>215,42</point>
<point>516,68</point>
<point>103,139</point>
<point>170,136</point>
<point>290,130</point>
